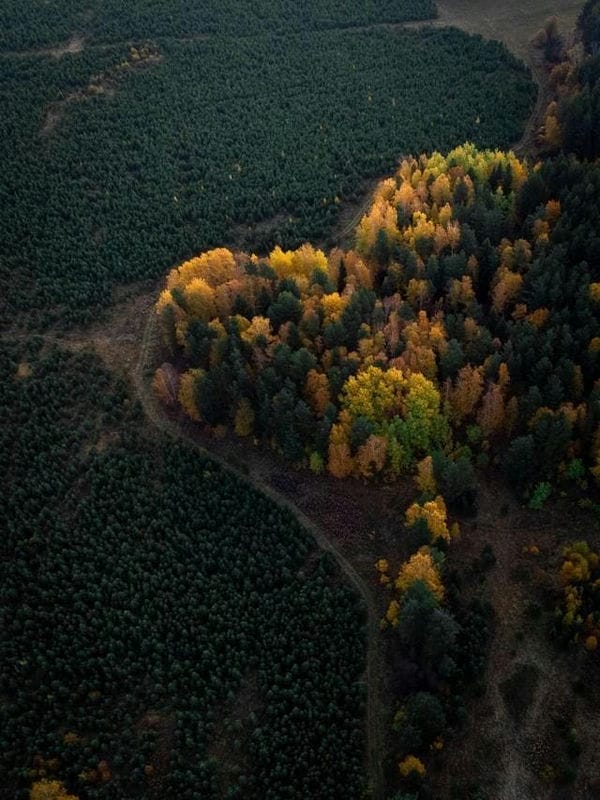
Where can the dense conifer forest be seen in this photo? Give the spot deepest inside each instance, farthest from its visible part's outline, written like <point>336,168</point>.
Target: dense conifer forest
<point>167,605</point>
<point>122,160</point>
<point>31,25</point>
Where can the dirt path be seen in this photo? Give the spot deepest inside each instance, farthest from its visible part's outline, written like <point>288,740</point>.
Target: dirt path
<point>157,417</point>
<point>513,22</point>
<point>74,45</point>
<point>134,351</point>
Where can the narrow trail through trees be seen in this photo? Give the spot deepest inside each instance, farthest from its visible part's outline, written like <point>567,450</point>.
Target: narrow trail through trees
<point>157,418</point>
<point>108,339</point>
<point>155,415</point>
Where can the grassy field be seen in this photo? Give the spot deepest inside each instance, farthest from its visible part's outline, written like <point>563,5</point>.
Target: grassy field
<point>514,23</point>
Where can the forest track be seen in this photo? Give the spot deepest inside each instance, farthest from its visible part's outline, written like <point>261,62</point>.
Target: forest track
<point>77,42</point>
<point>156,416</point>
<point>374,721</point>
<point>102,343</point>
<point>512,22</point>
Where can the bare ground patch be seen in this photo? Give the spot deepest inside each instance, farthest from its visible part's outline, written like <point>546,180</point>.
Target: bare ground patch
<point>164,725</point>
<point>235,722</point>
<point>516,741</point>
<point>74,45</point>
<point>103,84</point>
<point>512,22</point>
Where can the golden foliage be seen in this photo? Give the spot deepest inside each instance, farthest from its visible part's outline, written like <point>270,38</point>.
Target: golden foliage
<point>333,305</point>
<point>411,764</point>
<point>440,190</point>
<point>50,790</point>
<point>374,394</point>
<point>340,463</point>
<point>539,317</point>
<point>507,287</point>
<point>424,477</point>
<point>317,391</point>
<point>357,272</point>
<point>420,567</point>
<point>579,561</point>
<point>214,267</point>
<point>166,383</point>
<point>466,393</point>
<point>187,393</point>
<point>491,414</point>
<point>594,345</point>
<point>200,300</point>
<point>424,338</point>
<point>393,612</point>
<point>259,328</point>
<point>435,515</point>
<point>552,136</point>
<point>381,217</point>
<point>461,292</point>
<point>298,263</point>
<point>370,458</point>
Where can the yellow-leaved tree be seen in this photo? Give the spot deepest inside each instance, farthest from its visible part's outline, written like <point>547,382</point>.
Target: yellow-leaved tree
<point>317,391</point>
<point>340,463</point>
<point>301,262</point>
<point>244,418</point>
<point>411,765</point>
<point>420,567</point>
<point>50,790</point>
<point>381,218</point>
<point>424,477</point>
<point>435,515</point>
<point>374,393</point>
<point>370,458</point>
<point>187,392</point>
<point>200,300</point>
<point>465,394</point>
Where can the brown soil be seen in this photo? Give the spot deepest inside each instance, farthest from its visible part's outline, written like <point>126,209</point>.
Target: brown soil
<point>513,745</point>
<point>156,770</point>
<point>105,84</point>
<point>73,46</point>
<point>235,722</point>
<point>358,523</point>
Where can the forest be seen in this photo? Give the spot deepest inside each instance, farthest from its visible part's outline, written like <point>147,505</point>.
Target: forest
<point>290,512</point>
<point>146,154</point>
<point>35,25</point>
<point>168,608</point>
<point>462,328</point>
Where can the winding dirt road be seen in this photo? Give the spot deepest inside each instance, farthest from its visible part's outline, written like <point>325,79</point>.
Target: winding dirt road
<point>157,417</point>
